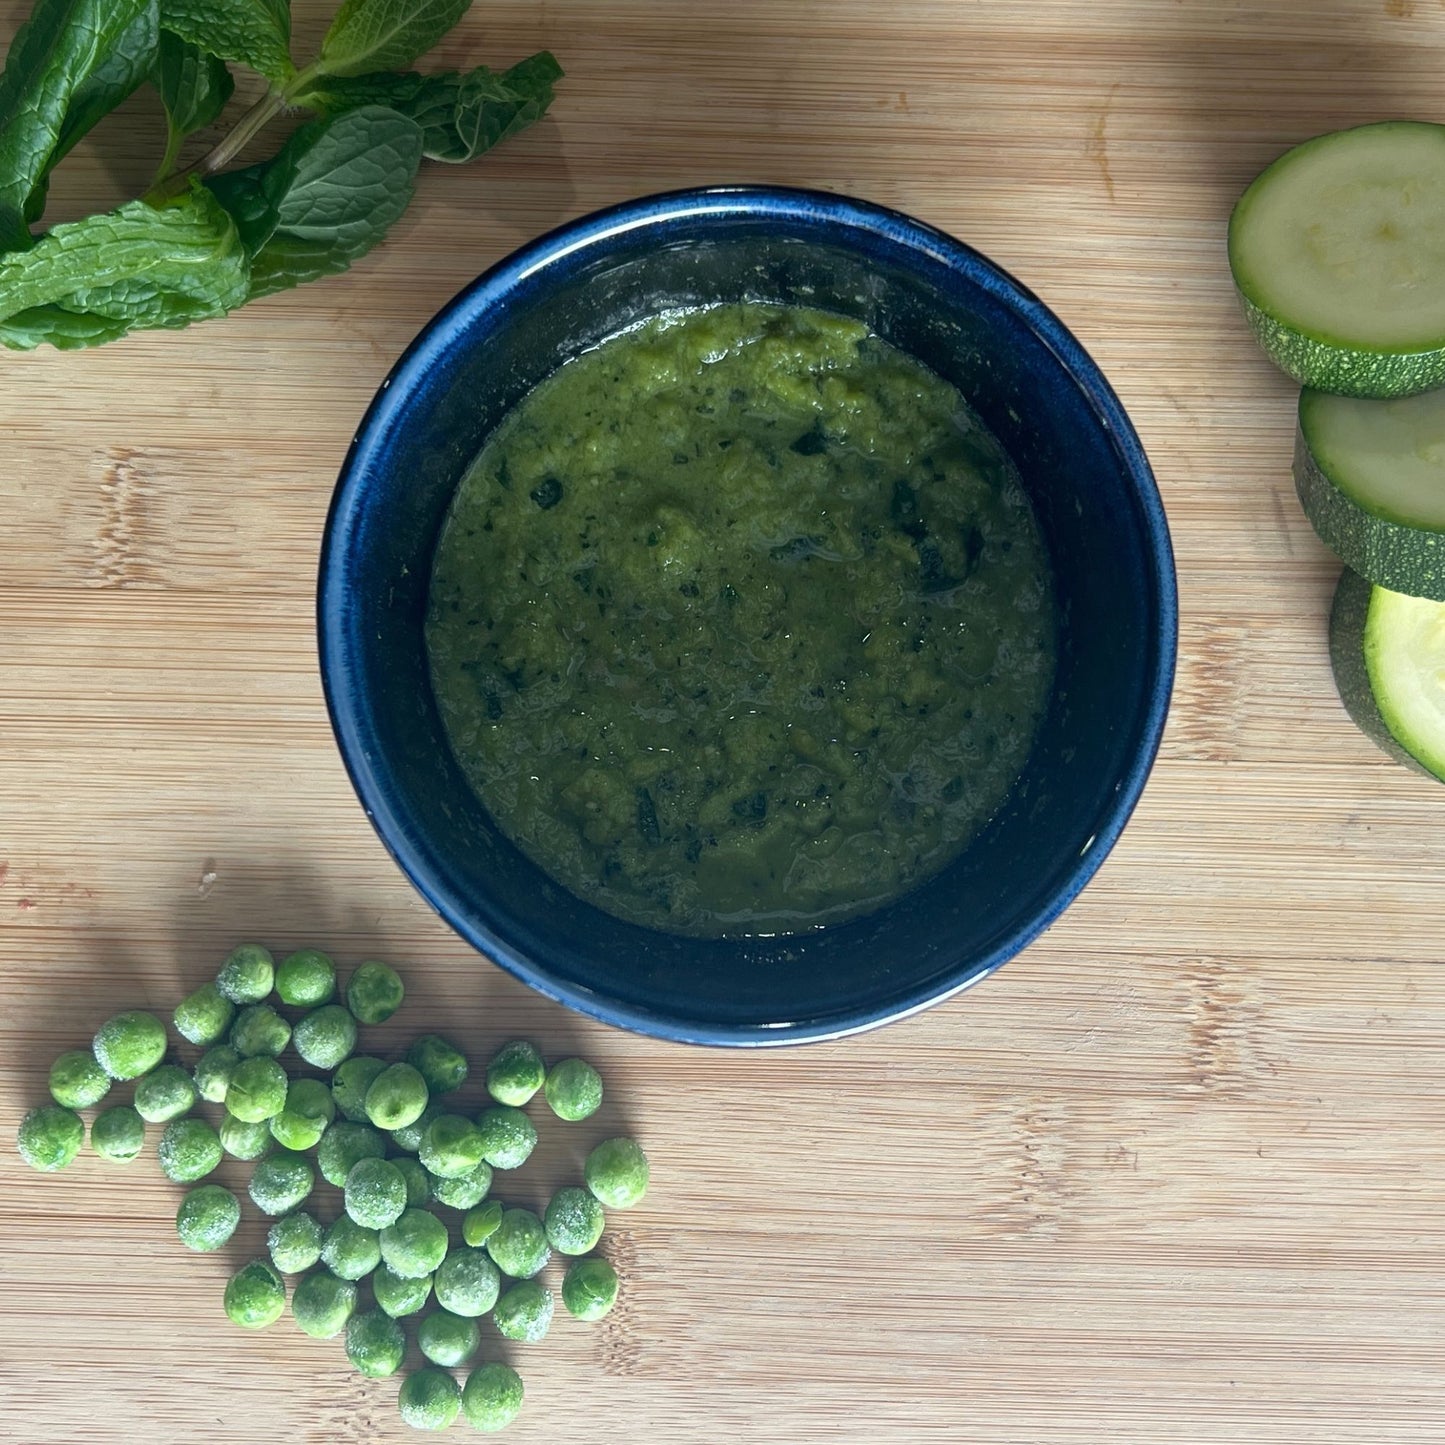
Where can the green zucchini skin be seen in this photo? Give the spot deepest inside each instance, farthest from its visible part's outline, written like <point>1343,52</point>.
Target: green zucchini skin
<point>1344,370</point>
<point>1312,351</point>
<point>1349,615</point>
<point>1391,554</point>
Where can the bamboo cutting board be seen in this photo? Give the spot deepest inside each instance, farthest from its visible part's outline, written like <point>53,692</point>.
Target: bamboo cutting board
<point>1174,1175</point>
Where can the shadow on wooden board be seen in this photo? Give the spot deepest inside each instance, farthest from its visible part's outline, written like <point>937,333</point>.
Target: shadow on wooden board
<point>525,186</point>
<point>1262,78</point>
<point>287,902</point>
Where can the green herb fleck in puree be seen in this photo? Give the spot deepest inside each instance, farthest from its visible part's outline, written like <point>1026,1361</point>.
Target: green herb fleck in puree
<point>741,622</point>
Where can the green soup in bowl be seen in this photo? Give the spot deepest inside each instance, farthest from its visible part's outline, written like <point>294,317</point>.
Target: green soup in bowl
<point>741,622</point>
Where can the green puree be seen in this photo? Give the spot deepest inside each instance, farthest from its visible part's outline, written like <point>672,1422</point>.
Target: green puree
<point>741,622</point>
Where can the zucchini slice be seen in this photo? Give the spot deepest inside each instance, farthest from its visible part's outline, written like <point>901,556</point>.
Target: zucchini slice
<point>1338,250</point>
<point>1371,479</point>
<point>1388,652</point>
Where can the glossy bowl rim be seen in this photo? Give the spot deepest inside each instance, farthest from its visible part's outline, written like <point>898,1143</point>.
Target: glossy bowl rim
<point>838,218</point>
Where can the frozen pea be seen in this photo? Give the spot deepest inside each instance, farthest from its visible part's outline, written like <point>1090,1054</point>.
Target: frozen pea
<point>573,1089</point>
<point>415,1245</point>
<point>452,1146</point>
<point>257,1091</point>
<point>309,1109</point>
<point>325,1036</point>
<point>260,1031</point>
<point>375,1344</point>
<point>189,1150</point>
<point>518,1246</point>
<point>118,1134</point>
<point>213,1072</point>
<point>247,975</point>
<point>617,1173</point>
<point>448,1339</point>
<point>342,1145</point>
<point>589,1288</point>
<point>164,1094</point>
<point>492,1396</point>
<point>322,1304</point>
<point>515,1073</point>
<point>574,1221</point>
<point>374,993</point>
<point>464,1191</point>
<point>467,1283</point>
<point>375,1193</point>
<point>441,1064</point>
<point>130,1044</point>
<point>398,1296</point>
<point>418,1182</point>
<point>255,1296</point>
<point>294,1242</point>
<point>482,1223</point>
<point>409,1136</point>
<point>207,1218</point>
<point>396,1098</point>
<point>77,1081</point>
<point>524,1312</point>
<point>508,1136</point>
<point>203,1017</point>
<point>350,1250</point>
<point>245,1141</point>
<point>281,1182</point>
<point>305,979</point>
<point>429,1399</point>
<point>350,1083</point>
<point>50,1137</point>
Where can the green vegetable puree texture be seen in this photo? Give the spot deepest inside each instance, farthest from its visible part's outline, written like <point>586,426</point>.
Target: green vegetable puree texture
<point>741,622</point>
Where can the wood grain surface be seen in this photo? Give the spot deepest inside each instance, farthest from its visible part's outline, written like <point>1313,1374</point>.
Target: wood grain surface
<point>1174,1175</point>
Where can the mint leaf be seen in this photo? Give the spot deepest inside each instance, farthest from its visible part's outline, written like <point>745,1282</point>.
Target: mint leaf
<point>352,179</point>
<point>280,13</point>
<point>460,114</point>
<point>94,280</point>
<point>117,77</point>
<point>326,199</point>
<point>385,34</point>
<point>61,46</point>
<point>254,32</point>
<point>62,329</point>
<point>244,197</point>
<point>111,82</point>
<point>194,88</point>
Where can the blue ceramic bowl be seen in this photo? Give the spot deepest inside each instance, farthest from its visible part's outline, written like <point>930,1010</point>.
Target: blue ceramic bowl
<point>1035,387</point>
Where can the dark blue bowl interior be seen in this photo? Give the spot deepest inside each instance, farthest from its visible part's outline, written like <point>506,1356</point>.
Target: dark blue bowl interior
<point>1036,389</point>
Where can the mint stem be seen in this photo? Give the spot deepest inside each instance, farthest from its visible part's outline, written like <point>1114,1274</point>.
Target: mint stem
<point>174,141</point>
<point>250,125</point>
<point>245,130</point>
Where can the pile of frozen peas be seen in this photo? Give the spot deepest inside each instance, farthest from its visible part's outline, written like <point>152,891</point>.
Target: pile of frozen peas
<point>381,1132</point>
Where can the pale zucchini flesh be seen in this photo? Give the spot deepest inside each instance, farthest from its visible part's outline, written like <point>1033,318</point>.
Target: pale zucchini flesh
<point>1371,478</point>
<point>1338,250</point>
<point>1405,658</point>
<point>1388,655</point>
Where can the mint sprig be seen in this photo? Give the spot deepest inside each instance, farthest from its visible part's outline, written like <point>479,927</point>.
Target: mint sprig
<point>205,238</point>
